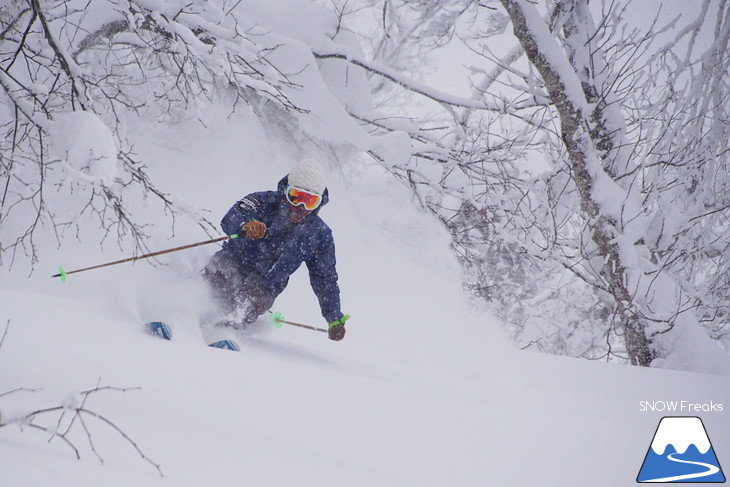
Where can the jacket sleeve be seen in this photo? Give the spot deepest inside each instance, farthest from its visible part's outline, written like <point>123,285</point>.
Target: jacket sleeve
<point>249,208</point>
<point>323,278</point>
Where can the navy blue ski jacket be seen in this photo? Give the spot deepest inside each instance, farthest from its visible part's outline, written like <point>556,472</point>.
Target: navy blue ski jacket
<point>270,261</point>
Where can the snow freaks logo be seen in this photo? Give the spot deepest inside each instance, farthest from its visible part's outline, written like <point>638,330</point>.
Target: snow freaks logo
<point>681,452</point>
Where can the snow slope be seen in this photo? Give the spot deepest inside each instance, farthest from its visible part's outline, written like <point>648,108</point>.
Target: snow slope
<point>422,391</point>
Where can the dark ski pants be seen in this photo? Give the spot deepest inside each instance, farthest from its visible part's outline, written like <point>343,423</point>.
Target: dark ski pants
<point>239,299</point>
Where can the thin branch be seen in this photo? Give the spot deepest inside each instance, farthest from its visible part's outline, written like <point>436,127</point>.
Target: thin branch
<point>5,334</point>
<point>80,411</point>
<point>411,85</point>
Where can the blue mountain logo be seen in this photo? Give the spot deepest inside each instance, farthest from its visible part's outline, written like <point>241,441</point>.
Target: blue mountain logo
<point>681,452</point>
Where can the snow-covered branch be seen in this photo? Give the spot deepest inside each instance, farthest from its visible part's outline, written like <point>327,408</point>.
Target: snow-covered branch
<point>409,84</point>
<point>605,143</point>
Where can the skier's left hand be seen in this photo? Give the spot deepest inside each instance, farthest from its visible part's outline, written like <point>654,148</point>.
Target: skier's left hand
<point>337,329</point>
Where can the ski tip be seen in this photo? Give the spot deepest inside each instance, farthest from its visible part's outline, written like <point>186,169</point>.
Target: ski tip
<point>226,345</point>
<point>159,329</point>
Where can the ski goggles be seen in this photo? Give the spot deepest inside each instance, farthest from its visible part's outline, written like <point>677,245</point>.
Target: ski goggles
<point>302,197</point>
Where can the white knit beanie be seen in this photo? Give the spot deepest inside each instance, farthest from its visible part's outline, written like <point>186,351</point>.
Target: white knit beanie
<point>308,174</point>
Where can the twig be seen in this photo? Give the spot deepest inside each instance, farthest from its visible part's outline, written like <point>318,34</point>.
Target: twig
<point>5,333</point>
<point>80,411</point>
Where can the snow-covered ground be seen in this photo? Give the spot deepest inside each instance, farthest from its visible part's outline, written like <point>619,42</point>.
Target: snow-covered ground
<point>424,390</point>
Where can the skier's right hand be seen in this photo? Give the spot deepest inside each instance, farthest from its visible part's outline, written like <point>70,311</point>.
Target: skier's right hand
<point>254,229</point>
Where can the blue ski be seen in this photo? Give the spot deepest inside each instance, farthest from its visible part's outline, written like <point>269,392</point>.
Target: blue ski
<point>159,329</point>
<point>226,345</point>
<point>162,330</point>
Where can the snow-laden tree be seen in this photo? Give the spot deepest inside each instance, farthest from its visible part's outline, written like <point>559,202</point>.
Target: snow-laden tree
<point>75,75</point>
<point>630,124</point>
<point>585,181</point>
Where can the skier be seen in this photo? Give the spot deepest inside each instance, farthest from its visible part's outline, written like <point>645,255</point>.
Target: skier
<point>278,230</point>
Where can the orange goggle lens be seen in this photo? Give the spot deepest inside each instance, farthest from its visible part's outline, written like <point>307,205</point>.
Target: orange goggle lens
<point>297,197</point>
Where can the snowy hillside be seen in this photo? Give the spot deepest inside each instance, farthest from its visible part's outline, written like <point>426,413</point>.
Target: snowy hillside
<point>423,390</point>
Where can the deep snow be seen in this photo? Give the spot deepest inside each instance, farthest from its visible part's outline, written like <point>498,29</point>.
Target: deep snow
<point>423,390</point>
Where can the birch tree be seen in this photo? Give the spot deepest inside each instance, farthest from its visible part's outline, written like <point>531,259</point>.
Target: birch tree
<point>613,171</point>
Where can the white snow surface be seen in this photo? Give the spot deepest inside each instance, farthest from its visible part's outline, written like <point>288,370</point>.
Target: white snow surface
<point>423,391</point>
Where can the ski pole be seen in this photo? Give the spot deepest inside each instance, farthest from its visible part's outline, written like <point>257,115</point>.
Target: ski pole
<point>277,319</point>
<point>62,273</point>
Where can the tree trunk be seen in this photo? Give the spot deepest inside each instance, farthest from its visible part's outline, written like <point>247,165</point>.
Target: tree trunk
<point>565,91</point>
